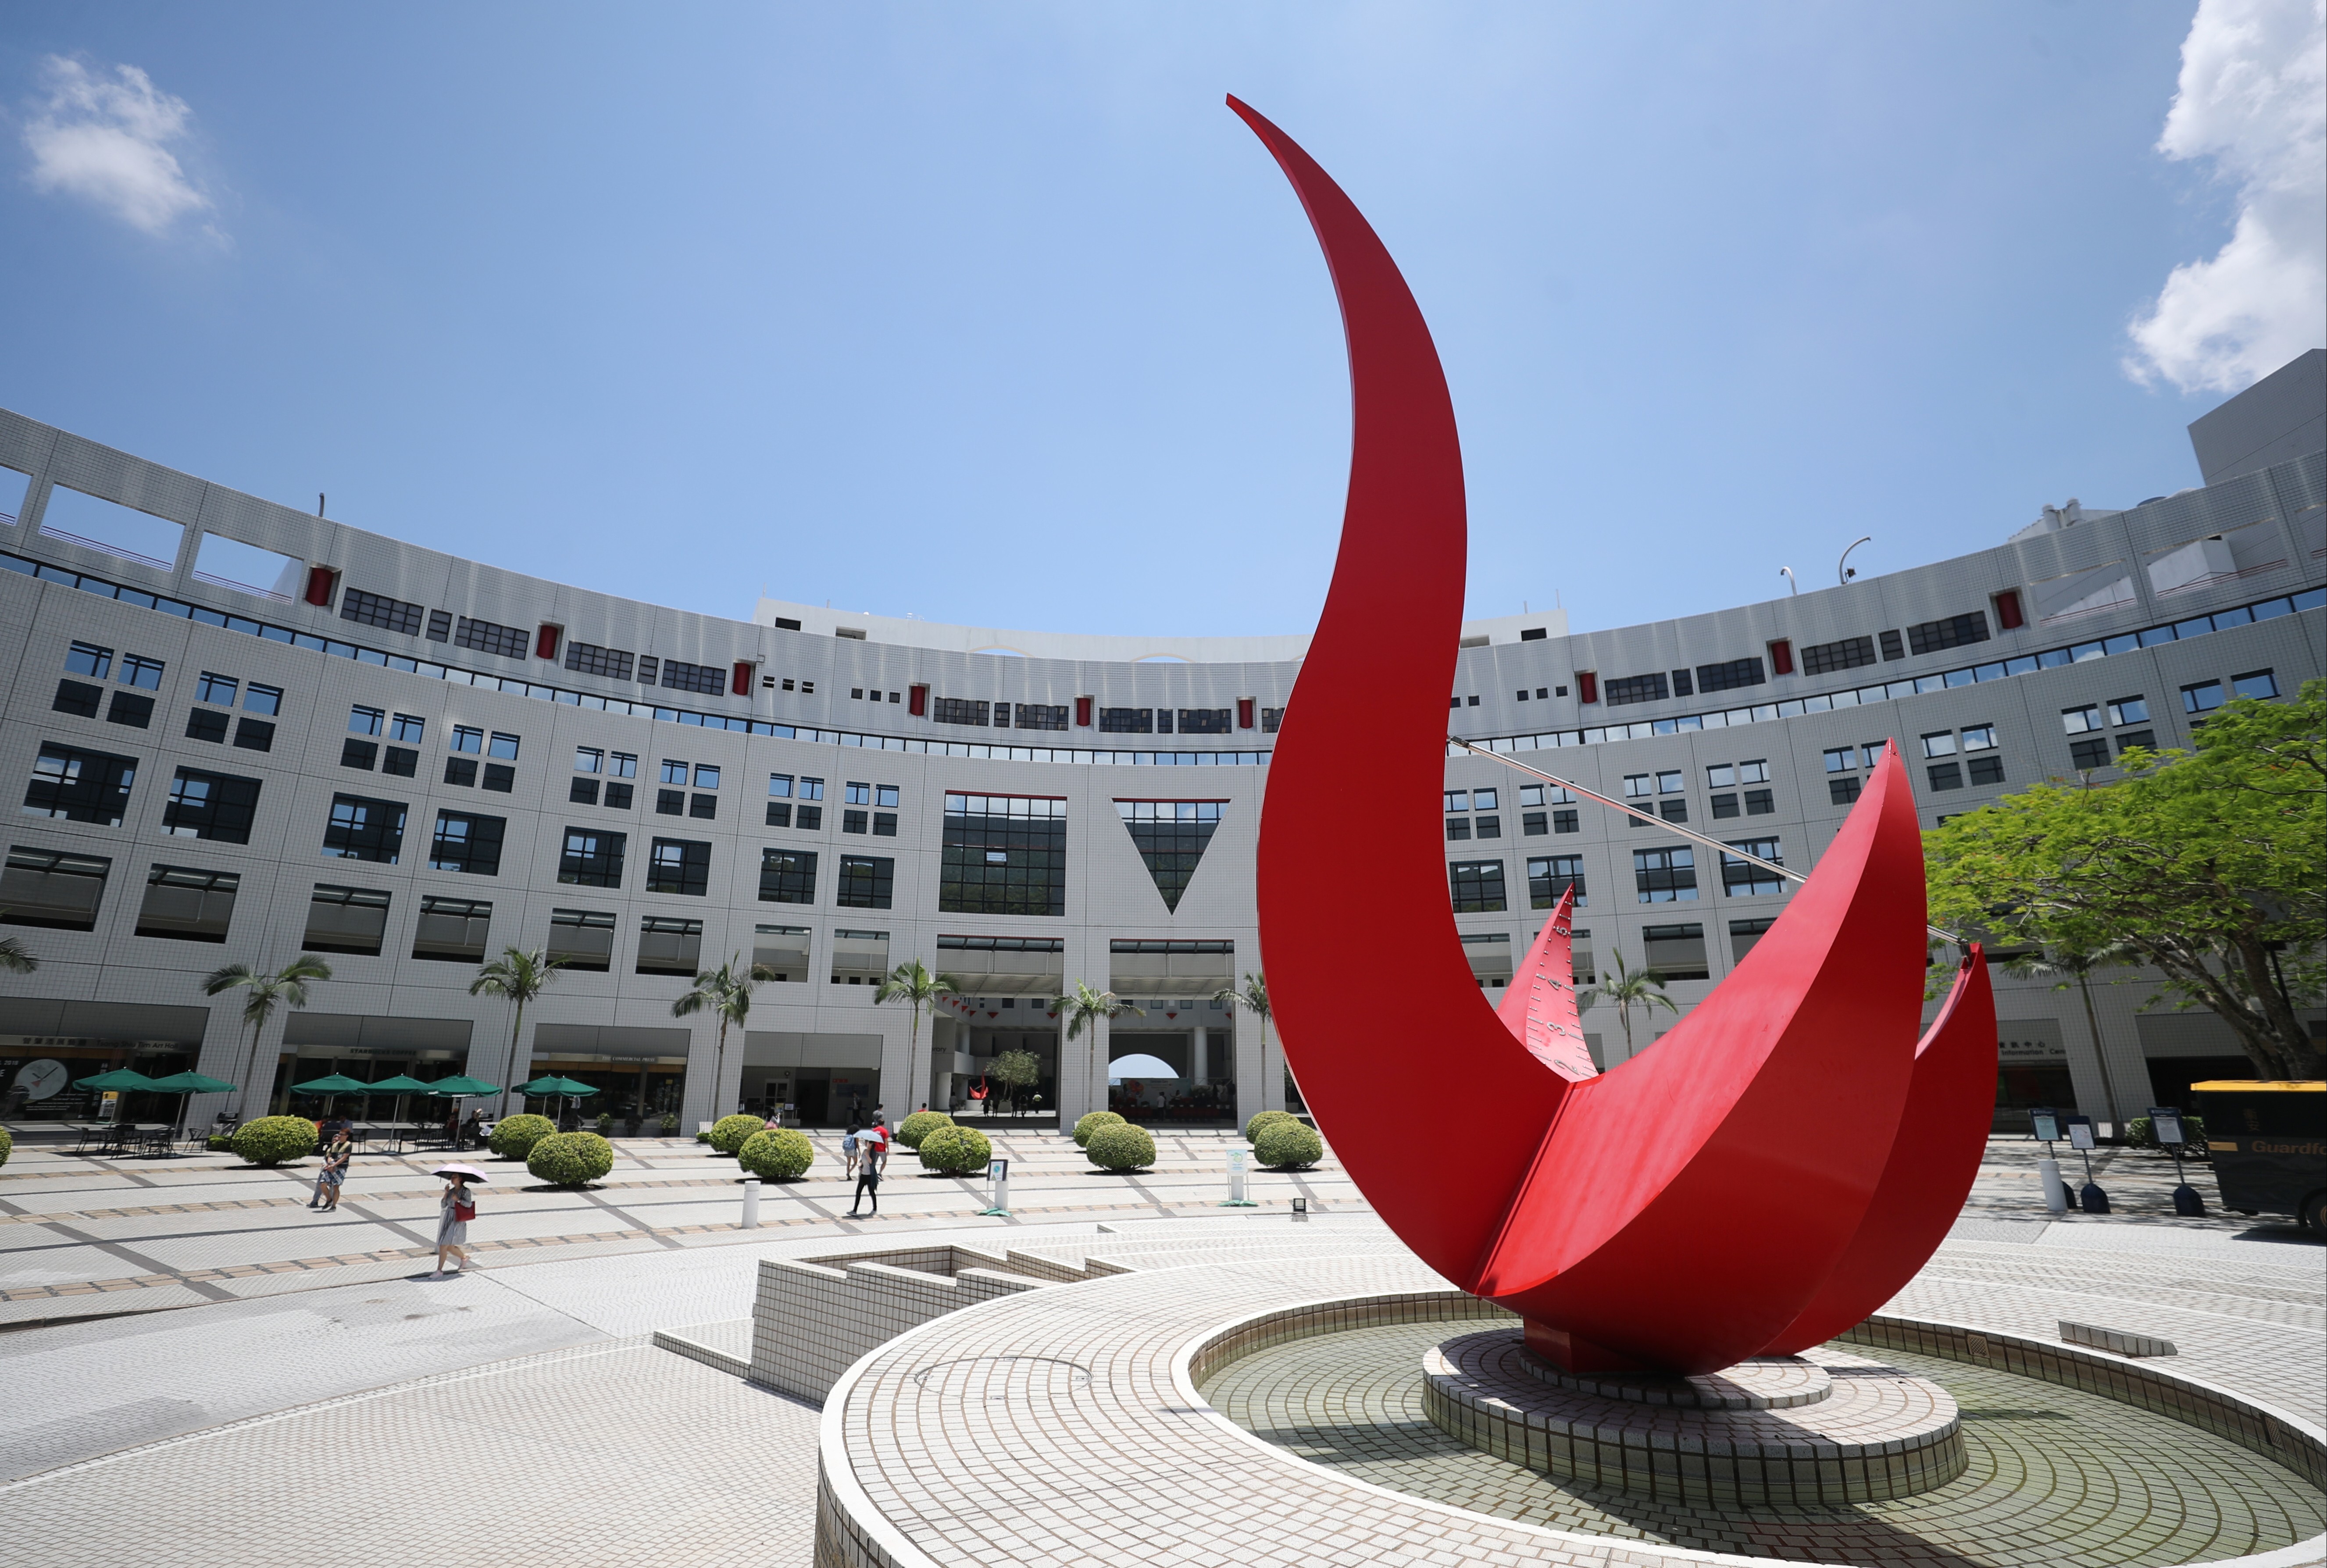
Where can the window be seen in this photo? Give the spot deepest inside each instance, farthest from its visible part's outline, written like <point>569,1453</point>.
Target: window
<point>80,786</point>
<point>958,711</point>
<point>1892,646</point>
<point>2256,683</point>
<point>145,674</point>
<point>1724,805</point>
<point>346,920</point>
<point>708,680</point>
<point>440,625</point>
<point>187,905</point>
<point>622,764</point>
<point>468,738</point>
<point>503,745</point>
<point>467,843</point>
<point>1673,810</point>
<point>1940,743</point>
<point>1664,876</point>
<point>668,945</point>
<point>1458,799</point>
<point>2077,721</point>
<point>707,777</point>
<point>1637,784</point>
<point>865,882</point>
<point>217,805</point>
<point>856,794</point>
<point>1534,824</point>
<point>379,609</point>
<point>1826,657</point>
<point>1548,876</point>
<point>131,709</point>
<point>885,795</point>
<point>1457,828</point>
<point>362,828</point>
<point>1490,826</point>
<point>1207,720</point>
<point>2083,754</point>
<point>1756,771</point>
<point>406,728</point>
<point>1126,721</point>
<point>1039,717</point>
<point>2203,698</point>
<point>589,760</point>
<point>670,802</point>
<point>703,808</point>
<point>583,791</point>
<point>810,789</point>
<point>364,721</point>
<point>592,859</point>
<point>1841,759</point>
<point>679,865</point>
<point>1637,689</point>
<point>1675,952</point>
<point>1476,886</point>
<point>81,699</point>
<point>1979,738</point>
<point>1720,775</point>
<point>1990,770</point>
<point>1271,720</point>
<point>87,658</point>
<point>1668,781</point>
<point>1871,753</point>
<point>216,688</point>
<point>1742,878</point>
<point>452,931</point>
<point>1721,677</point>
<point>582,939</point>
<point>1682,687</point>
<point>201,725</point>
<point>1955,631</point>
<point>674,772</point>
<point>1743,935</point>
<point>254,734</point>
<point>589,658</point>
<point>788,876</point>
<point>460,771</point>
<point>1003,854</point>
<point>355,753</point>
<point>853,822</point>
<point>1759,803</point>
<point>2121,710</point>
<point>485,637</point>
<point>48,887</point>
<point>263,699</point>
<point>1530,794</point>
<point>618,796</point>
<point>650,670</point>
<point>501,777</point>
<point>1845,789</point>
<point>1565,822</point>
<point>885,825</point>
<point>1950,775</point>
<point>779,814</point>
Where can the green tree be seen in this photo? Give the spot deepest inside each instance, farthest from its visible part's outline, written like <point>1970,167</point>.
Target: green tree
<point>725,993</point>
<point>287,987</point>
<point>2211,866</point>
<point>1630,988</point>
<point>521,976</point>
<point>912,983</point>
<point>2037,964</point>
<point>1084,1008</point>
<point>1253,997</point>
<point>16,957</point>
<point>1015,1070</point>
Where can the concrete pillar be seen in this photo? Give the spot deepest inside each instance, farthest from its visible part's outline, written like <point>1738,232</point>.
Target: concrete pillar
<point>1199,1051</point>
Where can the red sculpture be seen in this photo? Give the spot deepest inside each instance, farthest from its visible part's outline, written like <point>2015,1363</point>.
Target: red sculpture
<point>1748,1179</point>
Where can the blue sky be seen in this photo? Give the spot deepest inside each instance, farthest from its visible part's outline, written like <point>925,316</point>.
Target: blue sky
<point>994,313</point>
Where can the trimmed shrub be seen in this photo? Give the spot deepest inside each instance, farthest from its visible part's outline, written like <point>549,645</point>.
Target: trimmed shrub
<point>1092,1123</point>
<point>729,1133</point>
<point>7,1145</point>
<point>920,1125</point>
<point>1124,1147</point>
<point>703,1137</point>
<point>669,1122</point>
<point>271,1139</point>
<point>776,1153</point>
<point>514,1136</point>
<point>956,1150</point>
<point>570,1159</point>
<point>1288,1146</point>
<point>1266,1120</point>
<point>605,1123</point>
<point>220,1142</point>
<point>2142,1134</point>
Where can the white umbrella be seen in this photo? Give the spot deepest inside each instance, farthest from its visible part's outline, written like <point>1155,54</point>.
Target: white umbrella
<point>1139,1066</point>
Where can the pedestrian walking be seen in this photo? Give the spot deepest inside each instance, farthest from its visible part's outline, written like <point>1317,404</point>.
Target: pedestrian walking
<point>337,1156</point>
<point>456,1208</point>
<point>848,1142</point>
<point>868,1180</point>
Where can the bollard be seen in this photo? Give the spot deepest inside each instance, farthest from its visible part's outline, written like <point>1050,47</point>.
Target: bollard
<point>1236,1200</point>
<point>752,1203</point>
<point>1301,1211</point>
<point>997,1172</point>
<point>2056,1192</point>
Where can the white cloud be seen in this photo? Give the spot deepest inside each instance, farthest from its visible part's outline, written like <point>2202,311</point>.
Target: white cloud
<point>2252,97</point>
<point>107,141</point>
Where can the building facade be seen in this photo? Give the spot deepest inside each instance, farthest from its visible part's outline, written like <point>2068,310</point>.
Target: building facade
<point>244,732</point>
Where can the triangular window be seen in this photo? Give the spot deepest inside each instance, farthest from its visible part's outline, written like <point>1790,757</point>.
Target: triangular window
<point>1170,837</point>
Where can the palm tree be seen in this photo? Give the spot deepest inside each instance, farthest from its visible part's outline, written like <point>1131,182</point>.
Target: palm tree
<point>725,993</point>
<point>16,957</point>
<point>1630,988</point>
<point>286,987</point>
<point>1253,997</point>
<point>521,976</point>
<point>912,983</point>
<point>2037,964</point>
<point>1085,1007</point>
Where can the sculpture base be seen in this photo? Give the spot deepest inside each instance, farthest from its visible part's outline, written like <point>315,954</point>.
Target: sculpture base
<point>1814,1431</point>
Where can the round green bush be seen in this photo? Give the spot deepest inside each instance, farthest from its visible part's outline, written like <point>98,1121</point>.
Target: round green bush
<point>570,1159</point>
<point>1121,1148</point>
<point>777,1153</point>
<point>1263,1121</point>
<point>1288,1146</point>
<point>729,1133</point>
<point>2142,1134</point>
<point>271,1139</point>
<point>514,1136</point>
<point>7,1145</point>
<point>956,1150</point>
<point>1092,1123</point>
<point>920,1125</point>
<point>220,1142</point>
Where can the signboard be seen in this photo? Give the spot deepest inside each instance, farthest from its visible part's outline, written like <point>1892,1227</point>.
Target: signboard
<point>2166,1122</point>
<point>2081,1134</point>
<point>997,1170</point>
<point>2046,1122</point>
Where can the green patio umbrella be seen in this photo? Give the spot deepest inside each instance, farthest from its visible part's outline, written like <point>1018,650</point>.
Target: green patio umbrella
<point>563,1088</point>
<point>454,1088</point>
<point>119,1080</point>
<point>331,1086</point>
<point>401,1085</point>
<point>184,1084</point>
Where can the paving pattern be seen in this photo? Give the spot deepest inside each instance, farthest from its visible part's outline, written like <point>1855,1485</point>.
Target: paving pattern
<point>2057,1477</point>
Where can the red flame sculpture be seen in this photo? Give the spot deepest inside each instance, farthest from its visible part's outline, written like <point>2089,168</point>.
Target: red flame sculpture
<point>1749,1184</point>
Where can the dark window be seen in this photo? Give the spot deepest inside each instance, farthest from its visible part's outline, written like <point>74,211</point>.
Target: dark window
<point>592,859</point>
<point>1534,824</point>
<point>48,887</point>
<point>703,807</point>
<point>679,865</point>
<point>588,659</point>
<point>1035,716</point>
<point>809,818</point>
<point>1566,822</point>
<point>402,761</point>
<point>1721,677</point>
<point>1743,935</point>
<point>355,753</point>
<point>1743,878</point>
<point>1681,685</point>
<point>670,947</point>
<point>1892,648</point>
<point>703,679</point>
<point>1664,876</point>
<point>1826,657</point>
<point>885,825</point>
<point>1003,854</point>
<point>1490,827</point>
<point>508,642</point>
<point>960,711</point>
<point>649,668</point>
<point>1673,810</point>
<point>1955,631</point>
<point>1270,720</point>
<point>78,698</point>
<point>1675,952</point>
<point>466,843</point>
<point>788,876</point>
<point>1844,791</point>
<point>618,796</point>
<point>460,771</point>
<point>379,609</point>
<point>2125,741</point>
<point>346,920</point>
<point>779,814</point>
<point>1476,885</point>
<point>582,792</point>
<point>361,828</point>
<point>1205,722</point>
<point>188,905</point>
<point>1637,688</point>
<point>217,805</point>
<point>206,724</point>
<point>865,882</point>
<point>582,939</point>
<point>254,734</point>
<point>853,822</point>
<point>1760,802</point>
<point>2091,754</point>
<point>670,802</point>
<point>1950,775</point>
<point>501,777</point>
<point>130,708</point>
<point>1724,805</point>
<point>1988,769</point>
<point>1127,721</point>
<point>452,931</point>
<point>440,625</point>
<point>80,786</point>
<point>1551,875</point>
<point>1457,828</point>
<point>1172,836</point>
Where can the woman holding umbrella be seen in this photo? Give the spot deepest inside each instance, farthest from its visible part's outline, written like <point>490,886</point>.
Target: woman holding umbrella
<point>458,1206</point>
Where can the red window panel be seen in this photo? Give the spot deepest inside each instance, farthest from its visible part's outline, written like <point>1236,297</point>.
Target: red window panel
<point>1587,685</point>
<point>321,582</point>
<point>1082,713</point>
<point>2007,610</point>
<point>1782,657</point>
<point>1244,713</point>
<point>741,683</point>
<point>545,642</point>
<point>919,705</point>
